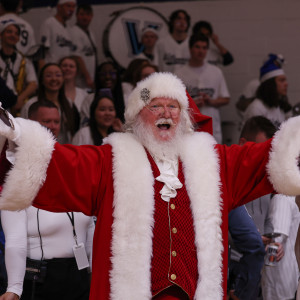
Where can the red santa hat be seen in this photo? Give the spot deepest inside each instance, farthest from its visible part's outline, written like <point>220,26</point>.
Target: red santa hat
<point>163,84</point>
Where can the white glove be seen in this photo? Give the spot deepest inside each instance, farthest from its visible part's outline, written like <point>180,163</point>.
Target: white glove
<point>9,127</point>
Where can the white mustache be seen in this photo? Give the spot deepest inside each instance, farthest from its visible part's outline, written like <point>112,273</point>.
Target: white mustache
<point>165,121</point>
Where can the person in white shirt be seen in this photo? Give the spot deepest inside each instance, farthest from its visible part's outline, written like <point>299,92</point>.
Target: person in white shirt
<point>9,11</point>
<point>55,34</point>
<point>149,39</point>
<point>173,49</point>
<point>17,71</point>
<point>85,46</point>
<point>280,282</point>
<point>205,82</point>
<point>217,54</point>
<point>70,68</point>
<point>42,235</point>
<point>271,97</point>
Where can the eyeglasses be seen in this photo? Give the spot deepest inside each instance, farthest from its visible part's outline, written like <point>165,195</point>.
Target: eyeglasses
<point>160,109</point>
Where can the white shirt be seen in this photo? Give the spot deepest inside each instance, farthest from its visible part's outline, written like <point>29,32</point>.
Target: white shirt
<point>22,239</point>
<point>168,169</point>
<point>172,55</point>
<point>208,79</point>
<point>258,108</point>
<point>6,71</point>
<point>280,282</point>
<point>57,39</point>
<point>83,137</point>
<point>84,48</point>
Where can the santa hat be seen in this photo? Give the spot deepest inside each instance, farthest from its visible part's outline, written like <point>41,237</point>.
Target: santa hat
<point>156,85</point>
<point>201,122</point>
<point>165,85</point>
<point>272,67</point>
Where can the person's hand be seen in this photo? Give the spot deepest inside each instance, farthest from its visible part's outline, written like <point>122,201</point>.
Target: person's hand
<point>117,125</point>
<point>207,100</point>
<point>9,296</point>
<point>266,240</point>
<point>280,251</point>
<point>9,127</point>
<point>214,38</point>
<point>232,295</point>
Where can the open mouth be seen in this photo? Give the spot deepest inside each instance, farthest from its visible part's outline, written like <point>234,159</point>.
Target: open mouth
<point>164,126</point>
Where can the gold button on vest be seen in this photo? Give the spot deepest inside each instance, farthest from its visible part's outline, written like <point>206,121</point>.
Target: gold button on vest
<point>174,230</point>
<point>173,276</point>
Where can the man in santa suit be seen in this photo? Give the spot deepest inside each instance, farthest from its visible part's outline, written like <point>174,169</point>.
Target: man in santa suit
<point>161,192</point>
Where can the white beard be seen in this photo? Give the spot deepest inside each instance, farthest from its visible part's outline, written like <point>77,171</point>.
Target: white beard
<point>160,149</point>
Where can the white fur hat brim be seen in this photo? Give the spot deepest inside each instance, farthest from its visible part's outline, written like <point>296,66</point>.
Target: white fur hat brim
<point>157,85</point>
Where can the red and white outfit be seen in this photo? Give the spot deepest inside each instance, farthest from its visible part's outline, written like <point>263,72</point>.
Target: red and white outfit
<point>95,181</point>
<point>143,244</point>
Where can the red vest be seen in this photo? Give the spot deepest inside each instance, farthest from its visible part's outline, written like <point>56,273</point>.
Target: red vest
<point>174,258</point>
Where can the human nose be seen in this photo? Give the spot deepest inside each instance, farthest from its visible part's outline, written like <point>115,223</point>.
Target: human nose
<point>166,112</point>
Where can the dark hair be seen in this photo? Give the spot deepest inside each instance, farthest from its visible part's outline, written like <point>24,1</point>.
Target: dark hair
<point>138,73</point>
<point>202,24</point>
<point>10,5</point>
<point>117,91</point>
<point>86,7</point>
<point>96,136</point>
<point>255,125</point>
<point>174,16</point>
<point>69,114</point>
<point>267,93</point>
<point>198,37</point>
<point>34,107</point>
<point>129,73</point>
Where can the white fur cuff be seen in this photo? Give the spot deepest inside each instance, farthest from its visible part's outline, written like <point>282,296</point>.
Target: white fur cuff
<point>33,154</point>
<point>283,166</point>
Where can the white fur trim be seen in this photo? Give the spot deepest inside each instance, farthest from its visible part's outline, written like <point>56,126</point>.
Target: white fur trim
<point>130,277</point>
<point>33,154</point>
<point>271,75</point>
<point>283,166</point>
<point>202,177</point>
<point>159,85</point>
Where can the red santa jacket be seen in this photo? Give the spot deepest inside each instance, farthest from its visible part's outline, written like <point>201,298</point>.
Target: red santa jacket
<point>115,183</point>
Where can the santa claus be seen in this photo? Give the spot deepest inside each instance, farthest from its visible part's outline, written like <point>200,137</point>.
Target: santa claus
<point>161,192</point>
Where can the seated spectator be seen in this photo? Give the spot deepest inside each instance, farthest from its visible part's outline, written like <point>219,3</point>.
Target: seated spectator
<point>271,96</point>
<point>17,71</point>
<point>142,71</point>
<point>217,53</point>
<point>46,113</point>
<point>173,49</point>
<point>49,237</point>
<point>51,87</point>
<point>127,77</point>
<point>70,69</point>
<point>102,122</point>
<point>205,82</point>
<point>107,78</point>
<point>148,39</point>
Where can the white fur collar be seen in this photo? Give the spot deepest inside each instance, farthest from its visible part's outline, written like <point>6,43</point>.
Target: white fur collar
<point>130,276</point>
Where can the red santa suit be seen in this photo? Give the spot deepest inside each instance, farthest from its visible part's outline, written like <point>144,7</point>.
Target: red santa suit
<point>115,182</point>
